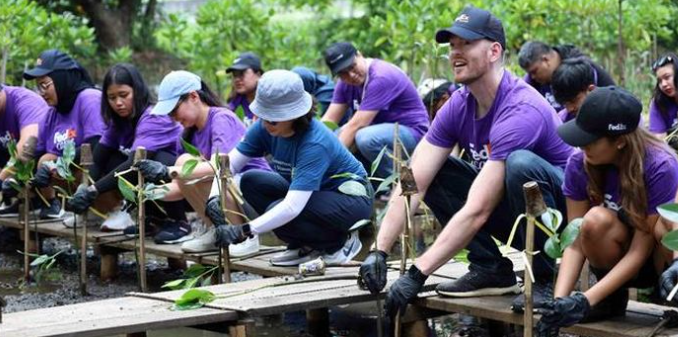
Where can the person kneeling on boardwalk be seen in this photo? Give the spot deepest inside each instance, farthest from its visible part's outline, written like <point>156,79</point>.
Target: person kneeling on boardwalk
<point>212,129</point>
<point>510,131</point>
<point>318,190</point>
<point>615,184</point>
<point>126,109</point>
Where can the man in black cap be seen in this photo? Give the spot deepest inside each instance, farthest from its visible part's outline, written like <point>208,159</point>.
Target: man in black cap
<point>381,95</point>
<point>540,61</point>
<point>245,71</point>
<point>510,132</point>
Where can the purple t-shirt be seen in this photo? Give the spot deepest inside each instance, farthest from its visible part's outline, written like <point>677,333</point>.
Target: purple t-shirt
<point>566,116</point>
<point>660,173</point>
<point>221,133</point>
<point>544,90</point>
<point>241,100</point>
<point>23,107</point>
<point>153,132</point>
<point>659,122</point>
<point>519,119</point>
<point>389,91</point>
<point>81,123</point>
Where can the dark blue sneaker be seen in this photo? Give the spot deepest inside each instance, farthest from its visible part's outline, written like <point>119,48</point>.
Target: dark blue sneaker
<point>173,231</point>
<point>54,211</point>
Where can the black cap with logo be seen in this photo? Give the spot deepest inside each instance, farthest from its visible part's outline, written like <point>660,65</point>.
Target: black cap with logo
<point>605,112</point>
<point>339,56</point>
<point>49,61</point>
<point>245,61</point>
<point>474,24</point>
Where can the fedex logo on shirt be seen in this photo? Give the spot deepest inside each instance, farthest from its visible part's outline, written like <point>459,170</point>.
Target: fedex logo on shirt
<point>611,204</point>
<point>61,138</point>
<point>125,150</point>
<point>4,140</point>
<point>479,156</point>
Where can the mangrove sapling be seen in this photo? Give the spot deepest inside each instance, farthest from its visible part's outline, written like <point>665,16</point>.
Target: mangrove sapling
<point>41,265</point>
<point>196,275</point>
<point>669,212</point>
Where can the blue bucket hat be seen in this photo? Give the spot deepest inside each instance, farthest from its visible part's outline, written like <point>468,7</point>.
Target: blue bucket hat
<point>281,97</point>
<point>172,87</point>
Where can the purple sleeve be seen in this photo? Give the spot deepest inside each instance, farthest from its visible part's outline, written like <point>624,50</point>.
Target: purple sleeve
<point>340,92</point>
<point>380,93</point>
<point>31,109</point>
<point>520,130</point>
<point>108,138</point>
<point>574,185</point>
<point>442,132</point>
<point>657,122</point>
<point>90,114</point>
<point>156,132</point>
<point>227,131</point>
<point>662,182</point>
<point>563,114</point>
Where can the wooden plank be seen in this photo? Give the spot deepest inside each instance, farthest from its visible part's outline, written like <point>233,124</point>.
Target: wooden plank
<point>107,317</point>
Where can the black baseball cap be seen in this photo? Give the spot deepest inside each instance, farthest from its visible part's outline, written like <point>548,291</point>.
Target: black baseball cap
<point>606,111</point>
<point>49,61</point>
<point>474,24</point>
<point>245,61</point>
<point>339,56</point>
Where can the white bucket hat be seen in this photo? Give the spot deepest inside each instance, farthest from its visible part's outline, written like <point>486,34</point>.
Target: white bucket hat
<point>281,97</point>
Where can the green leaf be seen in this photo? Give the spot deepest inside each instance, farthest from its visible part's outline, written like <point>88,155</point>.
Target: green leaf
<point>669,211</point>
<point>127,192</point>
<point>174,285</point>
<point>240,112</point>
<point>40,260</point>
<point>352,187</point>
<point>63,169</point>
<point>570,233</point>
<point>155,192</point>
<point>386,184</point>
<point>331,125</point>
<point>194,298</point>
<point>347,175</point>
<point>191,283</point>
<point>188,167</point>
<point>670,240</point>
<point>377,161</point>
<point>68,153</point>
<point>207,281</point>
<point>189,148</point>
<point>552,247</point>
<point>462,256</point>
<point>195,270</point>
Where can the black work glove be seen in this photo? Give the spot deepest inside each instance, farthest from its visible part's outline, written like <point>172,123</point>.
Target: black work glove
<point>8,189</point>
<point>213,211</point>
<point>373,272</point>
<point>404,290</point>
<point>83,198</point>
<point>153,171</point>
<point>563,312</point>
<point>668,280</point>
<point>42,177</point>
<point>232,234</point>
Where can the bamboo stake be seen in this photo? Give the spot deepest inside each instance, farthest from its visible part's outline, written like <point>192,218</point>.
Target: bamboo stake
<point>140,154</point>
<point>28,152</point>
<point>86,161</point>
<point>2,305</point>
<point>535,207</point>
<point>224,174</point>
<point>405,233</point>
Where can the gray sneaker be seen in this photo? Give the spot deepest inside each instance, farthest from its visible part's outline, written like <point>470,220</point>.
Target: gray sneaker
<point>350,249</point>
<point>294,257</point>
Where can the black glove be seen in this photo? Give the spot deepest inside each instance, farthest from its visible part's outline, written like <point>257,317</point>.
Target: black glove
<point>668,280</point>
<point>404,290</point>
<point>42,177</point>
<point>213,211</point>
<point>232,234</point>
<point>563,312</point>
<point>373,271</point>
<point>8,189</point>
<point>153,171</point>
<point>84,197</point>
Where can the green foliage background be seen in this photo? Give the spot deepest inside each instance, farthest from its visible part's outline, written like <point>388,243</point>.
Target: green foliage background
<point>295,32</point>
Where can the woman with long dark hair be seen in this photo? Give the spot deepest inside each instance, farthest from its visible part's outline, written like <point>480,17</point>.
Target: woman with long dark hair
<point>664,106</point>
<point>126,110</point>
<point>615,185</point>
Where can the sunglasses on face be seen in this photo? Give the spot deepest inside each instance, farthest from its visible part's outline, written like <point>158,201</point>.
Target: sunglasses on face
<point>42,87</point>
<point>662,62</point>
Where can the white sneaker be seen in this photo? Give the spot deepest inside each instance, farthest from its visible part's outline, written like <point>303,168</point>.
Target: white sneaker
<point>351,248</point>
<point>247,247</point>
<point>202,242</point>
<point>116,221</point>
<point>68,220</point>
<point>294,257</point>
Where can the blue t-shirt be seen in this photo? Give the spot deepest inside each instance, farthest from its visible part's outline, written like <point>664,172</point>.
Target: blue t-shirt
<point>308,160</point>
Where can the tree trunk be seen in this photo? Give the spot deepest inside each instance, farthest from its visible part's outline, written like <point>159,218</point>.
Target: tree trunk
<point>620,52</point>
<point>112,26</point>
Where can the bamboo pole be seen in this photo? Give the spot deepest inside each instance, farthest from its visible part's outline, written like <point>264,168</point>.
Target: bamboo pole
<point>86,161</point>
<point>27,153</point>
<point>140,154</point>
<point>397,330</point>
<point>535,207</point>
<point>224,174</point>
